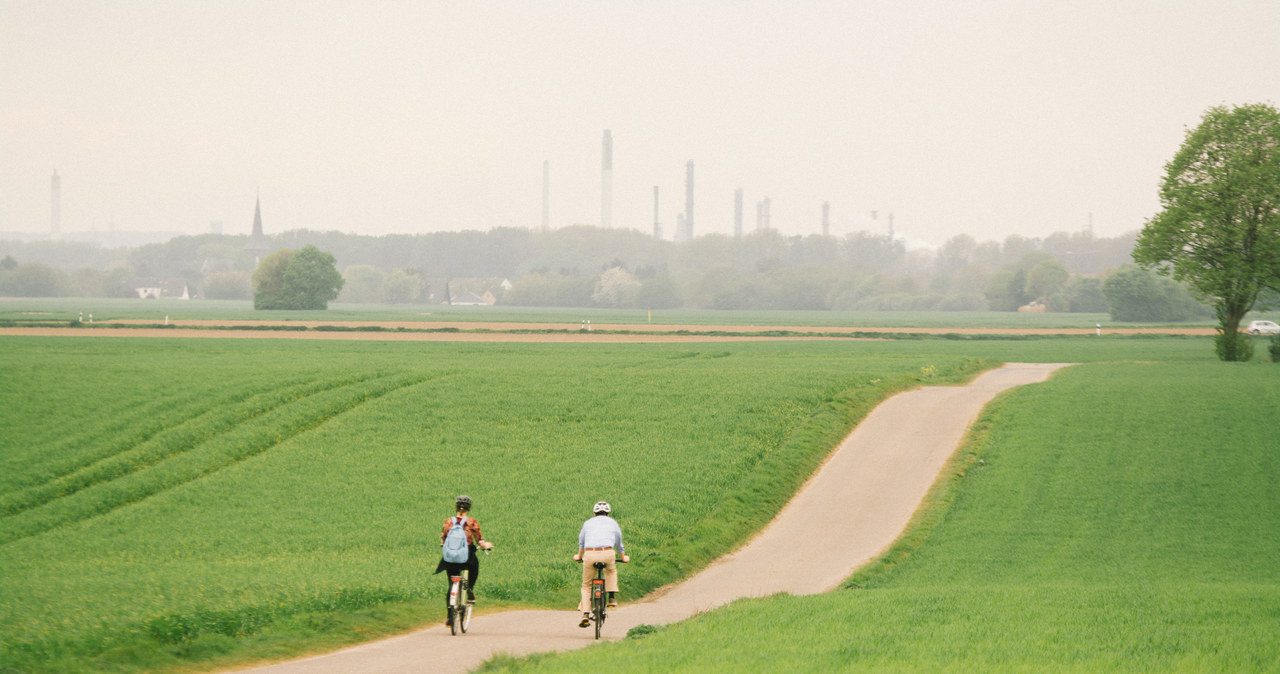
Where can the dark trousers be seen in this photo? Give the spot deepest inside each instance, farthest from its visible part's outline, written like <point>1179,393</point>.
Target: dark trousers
<point>472,565</point>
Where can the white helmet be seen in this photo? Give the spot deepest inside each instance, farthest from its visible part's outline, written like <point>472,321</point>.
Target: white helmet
<point>601,507</point>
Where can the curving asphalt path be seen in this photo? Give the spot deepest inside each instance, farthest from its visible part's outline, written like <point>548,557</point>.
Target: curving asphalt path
<point>849,512</point>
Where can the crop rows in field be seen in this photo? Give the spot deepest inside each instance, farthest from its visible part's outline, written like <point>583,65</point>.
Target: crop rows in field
<point>185,444</point>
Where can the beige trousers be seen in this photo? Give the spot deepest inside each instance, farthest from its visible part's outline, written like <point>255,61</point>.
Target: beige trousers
<point>589,558</point>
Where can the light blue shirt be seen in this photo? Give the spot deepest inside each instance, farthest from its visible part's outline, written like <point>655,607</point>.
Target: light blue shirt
<point>601,531</point>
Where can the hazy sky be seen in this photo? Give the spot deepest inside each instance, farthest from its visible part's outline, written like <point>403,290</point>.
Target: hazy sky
<point>987,117</point>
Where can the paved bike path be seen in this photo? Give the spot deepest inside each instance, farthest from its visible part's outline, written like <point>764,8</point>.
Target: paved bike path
<point>849,512</point>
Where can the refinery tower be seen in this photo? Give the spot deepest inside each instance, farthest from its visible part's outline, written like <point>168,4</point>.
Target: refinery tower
<point>606,181</point>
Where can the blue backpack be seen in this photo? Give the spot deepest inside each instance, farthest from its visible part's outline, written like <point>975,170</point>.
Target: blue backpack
<point>455,543</point>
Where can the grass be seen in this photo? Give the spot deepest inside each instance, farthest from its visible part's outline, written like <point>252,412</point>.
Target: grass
<point>169,502</point>
<point>192,503</point>
<point>1121,517</point>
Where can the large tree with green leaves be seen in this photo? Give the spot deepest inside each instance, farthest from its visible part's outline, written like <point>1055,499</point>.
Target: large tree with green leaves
<point>1219,230</point>
<point>305,279</point>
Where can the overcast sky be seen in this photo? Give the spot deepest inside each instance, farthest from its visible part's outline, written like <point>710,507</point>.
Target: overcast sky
<point>987,117</point>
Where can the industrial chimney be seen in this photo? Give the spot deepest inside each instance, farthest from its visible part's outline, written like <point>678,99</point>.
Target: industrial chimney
<point>688,201</point>
<point>546,195</point>
<point>606,182</point>
<point>657,224</point>
<point>55,207</point>
<point>737,212</point>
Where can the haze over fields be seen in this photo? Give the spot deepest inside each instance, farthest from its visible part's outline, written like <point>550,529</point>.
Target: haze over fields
<point>987,117</point>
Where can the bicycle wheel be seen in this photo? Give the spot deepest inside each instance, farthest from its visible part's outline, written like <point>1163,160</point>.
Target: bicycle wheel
<point>466,617</point>
<point>598,605</point>
<point>455,616</point>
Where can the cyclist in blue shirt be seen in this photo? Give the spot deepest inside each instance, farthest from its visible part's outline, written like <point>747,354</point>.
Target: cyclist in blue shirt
<point>599,538</point>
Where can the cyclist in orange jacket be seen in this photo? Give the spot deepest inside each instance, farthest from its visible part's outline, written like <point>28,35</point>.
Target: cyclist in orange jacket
<point>462,506</point>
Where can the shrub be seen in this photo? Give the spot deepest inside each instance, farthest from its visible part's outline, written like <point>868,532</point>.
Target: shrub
<point>1234,346</point>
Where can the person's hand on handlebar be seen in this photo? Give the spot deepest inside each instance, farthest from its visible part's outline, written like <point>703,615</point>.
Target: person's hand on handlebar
<point>626,558</point>
<point>486,545</point>
<point>577,556</point>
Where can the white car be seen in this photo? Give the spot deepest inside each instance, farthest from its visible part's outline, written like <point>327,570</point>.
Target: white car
<point>1263,328</point>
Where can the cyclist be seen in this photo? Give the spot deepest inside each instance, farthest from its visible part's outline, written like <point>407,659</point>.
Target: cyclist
<point>599,538</point>
<point>462,506</point>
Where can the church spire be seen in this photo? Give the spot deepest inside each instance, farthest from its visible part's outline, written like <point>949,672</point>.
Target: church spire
<point>257,246</point>
<point>257,219</point>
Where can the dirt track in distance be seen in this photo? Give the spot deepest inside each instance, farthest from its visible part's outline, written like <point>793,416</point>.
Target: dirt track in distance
<point>530,332</point>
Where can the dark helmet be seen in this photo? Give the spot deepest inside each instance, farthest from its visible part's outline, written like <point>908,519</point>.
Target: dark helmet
<point>601,507</point>
<point>463,502</point>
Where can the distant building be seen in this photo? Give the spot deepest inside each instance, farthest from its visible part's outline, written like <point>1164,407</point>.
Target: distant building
<point>154,289</point>
<point>468,299</point>
<point>467,291</point>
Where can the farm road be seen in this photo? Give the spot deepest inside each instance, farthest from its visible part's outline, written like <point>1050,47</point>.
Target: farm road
<point>460,331</point>
<point>850,511</point>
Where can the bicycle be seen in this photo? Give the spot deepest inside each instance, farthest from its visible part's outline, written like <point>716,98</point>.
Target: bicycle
<point>599,597</point>
<point>459,608</point>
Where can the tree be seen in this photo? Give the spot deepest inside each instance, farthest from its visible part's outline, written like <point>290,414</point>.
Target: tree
<point>1046,278</point>
<point>363,284</point>
<point>658,292</point>
<point>1136,294</point>
<point>1219,227</point>
<point>1007,289</point>
<point>34,280</point>
<point>232,284</point>
<point>615,288</point>
<point>306,279</point>
<point>1083,294</point>
<point>401,287</point>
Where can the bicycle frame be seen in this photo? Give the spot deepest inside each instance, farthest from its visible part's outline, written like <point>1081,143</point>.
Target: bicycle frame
<point>459,611</point>
<point>599,598</point>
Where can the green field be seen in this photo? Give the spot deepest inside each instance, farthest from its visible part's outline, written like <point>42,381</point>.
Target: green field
<point>167,502</point>
<point>168,499</point>
<point>1122,517</point>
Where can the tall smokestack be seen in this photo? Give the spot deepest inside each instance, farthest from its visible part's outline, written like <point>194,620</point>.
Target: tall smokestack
<point>546,195</point>
<point>826,218</point>
<point>762,214</point>
<point>688,200</point>
<point>606,182</point>
<point>55,206</point>
<point>737,212</point>
<point>657,224</point>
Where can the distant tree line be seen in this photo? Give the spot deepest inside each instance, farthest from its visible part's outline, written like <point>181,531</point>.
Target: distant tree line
<point>586,266</point>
